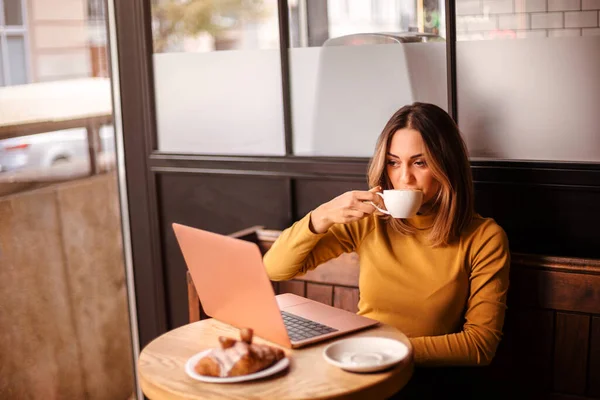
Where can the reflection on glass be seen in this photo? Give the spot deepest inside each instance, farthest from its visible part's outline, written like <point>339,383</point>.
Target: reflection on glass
<point>212,101</point>
<point>12,12</point>
<point>353,63</point>
<point>203,26</point>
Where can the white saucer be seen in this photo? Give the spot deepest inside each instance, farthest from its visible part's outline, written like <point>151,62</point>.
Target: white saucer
<point>273,369</point>
<point>365,354</point>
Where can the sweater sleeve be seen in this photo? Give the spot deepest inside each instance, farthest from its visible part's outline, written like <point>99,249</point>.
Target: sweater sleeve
<point>482,330</point>
<point>298,249</point>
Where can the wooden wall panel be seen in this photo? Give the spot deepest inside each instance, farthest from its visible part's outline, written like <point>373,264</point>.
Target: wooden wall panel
<point>571,353</point>
<point>310,193</point>
<point>594,362</point>
<point>346,298</point>
<point>343,270</point>
<point>218,203</point>
<point>543,219</point>
<point>524,357</point>
<point>295,287</point>
<point>556,290</point>
<point>321,293</point>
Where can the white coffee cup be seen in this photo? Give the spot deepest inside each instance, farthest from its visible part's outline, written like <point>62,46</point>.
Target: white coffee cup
<point>401,203</point>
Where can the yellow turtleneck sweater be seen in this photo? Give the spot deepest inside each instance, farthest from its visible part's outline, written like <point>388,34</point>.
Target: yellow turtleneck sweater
<point>450,301</point>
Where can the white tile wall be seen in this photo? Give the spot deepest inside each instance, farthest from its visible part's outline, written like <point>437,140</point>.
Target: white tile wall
<point>468,7</point>
<point>564,32</point>
<point>469,37</point>
<point>502,19</point>
<point>482,23</point>
<point>591,31</point>
<point>498,6</point>
<point>546,21</point>
<point>514,21</point>
<point>581,19</point>
<point>564,5</point>
<point>530,6</point>
<point>538,33</point>
<point>590,5</point>
<point>461,24</point>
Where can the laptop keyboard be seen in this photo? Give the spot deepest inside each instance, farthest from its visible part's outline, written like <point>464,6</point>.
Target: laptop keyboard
<point>299,328</point>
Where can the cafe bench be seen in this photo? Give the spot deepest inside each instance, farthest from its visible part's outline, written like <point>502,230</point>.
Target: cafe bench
<point>551,343</point>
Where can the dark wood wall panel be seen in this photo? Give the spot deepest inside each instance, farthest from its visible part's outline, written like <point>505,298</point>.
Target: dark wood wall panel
<point>218,203</point>
<point>544,219</point>
<point>571,353</point>
<point>346,298</point>
<point>529,343</point>
<point>557,290</point>
<point>594,364</point>
<point>321,293</point>
<point>294,287</point>
<point>310,193</point>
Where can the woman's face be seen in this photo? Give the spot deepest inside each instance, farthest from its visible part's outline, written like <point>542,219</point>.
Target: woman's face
<point>407,166</point>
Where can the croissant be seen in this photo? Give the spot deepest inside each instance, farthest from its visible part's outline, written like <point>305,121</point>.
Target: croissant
<point>236,358</point>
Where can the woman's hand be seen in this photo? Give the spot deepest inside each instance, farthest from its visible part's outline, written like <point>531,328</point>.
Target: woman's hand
<point>348,207</point>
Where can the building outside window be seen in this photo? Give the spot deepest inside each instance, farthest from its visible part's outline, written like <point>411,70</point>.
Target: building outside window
<point>14,65</point>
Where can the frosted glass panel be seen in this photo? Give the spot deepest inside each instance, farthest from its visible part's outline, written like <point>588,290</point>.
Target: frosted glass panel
<point>225,102</point>
<point>533,99</point>
<point>342,96</point>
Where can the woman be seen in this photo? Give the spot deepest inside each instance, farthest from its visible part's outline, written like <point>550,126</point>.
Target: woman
<point>441,277</point>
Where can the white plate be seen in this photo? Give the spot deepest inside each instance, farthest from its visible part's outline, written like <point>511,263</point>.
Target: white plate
<point>273,369</point>
<point>365,354</point>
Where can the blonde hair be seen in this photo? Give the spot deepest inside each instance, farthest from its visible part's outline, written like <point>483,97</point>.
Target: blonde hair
<point>448,161</point>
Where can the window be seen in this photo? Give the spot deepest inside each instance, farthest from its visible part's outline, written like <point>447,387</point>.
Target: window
<point>353,63</point>
<point>13,43</point>
<point>527,79</point>
<point>217,72</point>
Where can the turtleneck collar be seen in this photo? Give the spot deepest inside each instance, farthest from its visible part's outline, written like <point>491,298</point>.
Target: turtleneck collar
<point>422,222</point>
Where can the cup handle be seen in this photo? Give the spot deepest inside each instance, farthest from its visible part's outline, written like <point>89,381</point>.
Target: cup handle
<point>379,209</point>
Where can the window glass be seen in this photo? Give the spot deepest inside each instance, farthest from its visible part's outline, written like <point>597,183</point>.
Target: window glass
<point>217,74</point>
<point>51,85</point>
<point>353,63</point>
<point>16,57</point>
<point>13,14</point>
<point>528,79</point>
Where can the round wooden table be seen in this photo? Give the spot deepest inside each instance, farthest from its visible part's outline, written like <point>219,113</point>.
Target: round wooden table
<point>162,375</point>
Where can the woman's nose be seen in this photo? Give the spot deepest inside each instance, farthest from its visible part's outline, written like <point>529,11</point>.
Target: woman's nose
<point>406,176</point>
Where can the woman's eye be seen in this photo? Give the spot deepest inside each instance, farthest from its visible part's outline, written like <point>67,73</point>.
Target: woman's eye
<point>420,163</point>
<point>392,163</point>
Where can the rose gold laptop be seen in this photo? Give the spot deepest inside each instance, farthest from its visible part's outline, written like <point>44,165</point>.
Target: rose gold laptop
<point>234,288</point>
